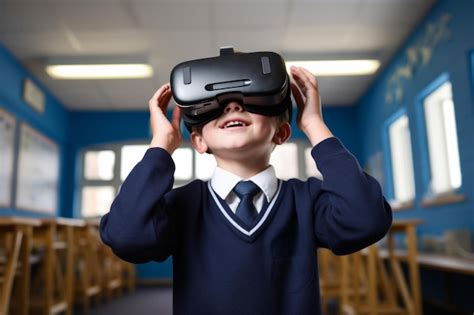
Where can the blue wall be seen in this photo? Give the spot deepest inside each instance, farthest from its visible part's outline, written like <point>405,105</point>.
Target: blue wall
<point>53,122</point>
<point>394,91</point>
<point>448,32</point>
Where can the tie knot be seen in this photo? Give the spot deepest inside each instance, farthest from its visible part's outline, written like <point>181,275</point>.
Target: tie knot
<point>246,188</point>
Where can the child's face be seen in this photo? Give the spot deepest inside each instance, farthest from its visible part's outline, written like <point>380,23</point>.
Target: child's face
<point>238,133</point>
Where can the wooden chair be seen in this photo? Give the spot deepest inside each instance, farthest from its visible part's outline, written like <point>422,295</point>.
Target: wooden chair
<point>329,277</point>
<point>54,282</point>
<point>88,267</point>
<point>129,276</point>
<point>117,274</point>
<point>16,239</point>
<point>113,271</point>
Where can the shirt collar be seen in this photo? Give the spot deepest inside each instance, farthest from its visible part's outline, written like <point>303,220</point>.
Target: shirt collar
<point>223,182</point>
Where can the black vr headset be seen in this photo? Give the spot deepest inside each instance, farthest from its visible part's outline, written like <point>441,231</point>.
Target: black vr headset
<point>258,81</point>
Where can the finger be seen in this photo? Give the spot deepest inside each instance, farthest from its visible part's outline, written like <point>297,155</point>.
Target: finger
<point>304,79</point>
<point>311,77</point>
<point>164,100</point>
<point>176,118</point>
<point>153,103</point>
<point>299,79</point>
<point>297,96</point>
<point>309,81</point>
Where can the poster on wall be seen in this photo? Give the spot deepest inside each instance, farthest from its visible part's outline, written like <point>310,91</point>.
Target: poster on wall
<point>38,172</point>
<point>7,143</point>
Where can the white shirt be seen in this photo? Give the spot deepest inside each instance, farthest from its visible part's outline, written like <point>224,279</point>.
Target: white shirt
<point>223,183</point>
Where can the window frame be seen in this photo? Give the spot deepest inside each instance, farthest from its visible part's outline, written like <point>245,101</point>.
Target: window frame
<point>429,199</point>
<point>388,163</point>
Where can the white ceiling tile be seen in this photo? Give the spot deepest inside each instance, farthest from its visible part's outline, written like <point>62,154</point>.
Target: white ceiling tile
<point>119,42</point>
<point>128,93</point>
<point>93,16</point>
<point>21,17</point>
<point>390,14</point>
<point>77,94</point>
<point>248,15</point>
<point>248,41</point>
<point>323,14</point>
<point>172,16</point>
<point>38,44</point>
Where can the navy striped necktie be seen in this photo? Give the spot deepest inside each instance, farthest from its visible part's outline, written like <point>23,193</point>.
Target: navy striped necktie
<point>246,190</point>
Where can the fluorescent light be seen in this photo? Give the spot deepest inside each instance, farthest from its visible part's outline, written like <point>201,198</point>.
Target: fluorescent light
<point>338,67</point>
<point>100,71</point>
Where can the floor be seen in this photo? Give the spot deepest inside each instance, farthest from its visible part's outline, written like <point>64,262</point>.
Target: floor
<point>147,300</point>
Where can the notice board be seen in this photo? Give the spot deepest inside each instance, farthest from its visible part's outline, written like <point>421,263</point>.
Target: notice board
<point>38,172</point>
<point>7,145</point>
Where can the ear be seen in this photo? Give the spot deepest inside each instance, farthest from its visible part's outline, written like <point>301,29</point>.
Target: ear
<point>198,142</point>
<point>282,134</point>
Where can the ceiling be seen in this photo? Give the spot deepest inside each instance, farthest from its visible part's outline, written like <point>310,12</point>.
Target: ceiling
<point>166,32</point>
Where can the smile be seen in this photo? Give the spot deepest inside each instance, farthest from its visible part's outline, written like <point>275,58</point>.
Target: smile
<point>232,124</point>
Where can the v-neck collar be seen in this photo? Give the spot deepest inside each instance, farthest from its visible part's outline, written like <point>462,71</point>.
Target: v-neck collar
<point>244,231</point>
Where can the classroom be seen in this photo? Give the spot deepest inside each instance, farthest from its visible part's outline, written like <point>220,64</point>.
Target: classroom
<point>396,80</point>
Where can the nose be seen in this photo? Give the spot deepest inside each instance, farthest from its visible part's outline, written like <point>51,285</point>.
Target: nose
<point>233,106</point>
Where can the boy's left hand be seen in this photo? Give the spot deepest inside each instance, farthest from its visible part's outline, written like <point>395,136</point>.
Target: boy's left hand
<point>306,93</point>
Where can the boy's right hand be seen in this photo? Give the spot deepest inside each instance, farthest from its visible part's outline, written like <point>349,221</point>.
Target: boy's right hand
<point>166,134</point>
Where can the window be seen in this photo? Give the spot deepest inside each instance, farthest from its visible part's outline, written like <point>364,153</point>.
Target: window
<point>130,156</point>
<point>183,160</point>
<point>442,141</point>
<point>205,164</point>
<point>96,200</point>
<point>401,159</point>
<point>97,191</point>
<point>285,160</point>
<point>107,167</point>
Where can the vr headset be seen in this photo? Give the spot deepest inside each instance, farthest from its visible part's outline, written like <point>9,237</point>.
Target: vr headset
<point>258,81</point>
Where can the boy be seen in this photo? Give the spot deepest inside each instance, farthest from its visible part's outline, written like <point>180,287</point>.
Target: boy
<point>259,258</point>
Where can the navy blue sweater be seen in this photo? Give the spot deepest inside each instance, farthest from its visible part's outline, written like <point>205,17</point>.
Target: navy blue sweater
<point>219,266</point>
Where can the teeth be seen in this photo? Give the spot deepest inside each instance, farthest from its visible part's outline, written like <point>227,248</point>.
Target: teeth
<point>234,123</point>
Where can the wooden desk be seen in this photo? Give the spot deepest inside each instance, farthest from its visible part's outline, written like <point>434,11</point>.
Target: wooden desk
<point>56,237</point>
<point>368,287</point>
<point>17,233</point>
<point>409,228</point>
<point>436,261</point>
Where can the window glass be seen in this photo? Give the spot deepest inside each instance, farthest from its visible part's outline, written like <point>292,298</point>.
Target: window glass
<point>442,140</point>
<point>96,200</point>
<point>205,164</point>
<point>183,160</point>
<point>99,165</point>
<point>130,156</point>
<point>285,160</point>
<point>402,160</point>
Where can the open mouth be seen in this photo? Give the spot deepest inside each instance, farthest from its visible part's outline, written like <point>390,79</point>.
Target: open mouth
<point>234,124</point>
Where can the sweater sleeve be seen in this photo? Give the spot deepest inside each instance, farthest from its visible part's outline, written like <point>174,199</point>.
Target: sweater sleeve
<point>350,212</point>
<point>139,226</point>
